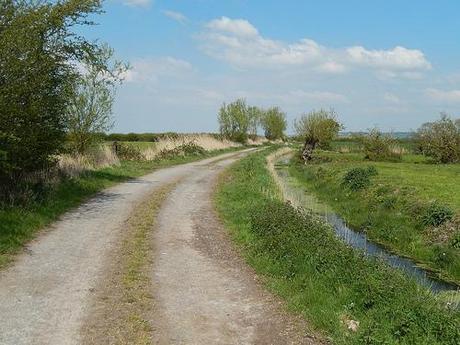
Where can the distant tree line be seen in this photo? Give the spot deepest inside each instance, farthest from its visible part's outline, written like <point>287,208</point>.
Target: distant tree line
<point>239,122</point>
<point>439,140</point>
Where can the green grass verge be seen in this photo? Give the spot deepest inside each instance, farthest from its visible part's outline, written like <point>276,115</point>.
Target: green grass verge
<point>320,277</point>
<point>19,224</point>
<point>392,208</point>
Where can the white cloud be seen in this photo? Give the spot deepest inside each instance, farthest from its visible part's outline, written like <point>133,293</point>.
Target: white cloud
<point>398,58</point>
<point>316,96</point>
<point>391,98</point>
<point>238,27</point>
<point>332,67</point>
<point>137,3</point>
<point>153,69</point>
<point>177,16</point>
<point>243,49</point>
<point>390,75</point>
<point>239,43</point>
<point>451,96</point>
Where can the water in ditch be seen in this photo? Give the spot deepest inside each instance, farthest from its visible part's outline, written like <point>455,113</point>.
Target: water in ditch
<point>299,197</point>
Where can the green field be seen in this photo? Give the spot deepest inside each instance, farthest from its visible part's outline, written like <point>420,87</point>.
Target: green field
<point>352,145</point>
<point>391,208</point>
<point>140,145</point>
<point>321,278</point>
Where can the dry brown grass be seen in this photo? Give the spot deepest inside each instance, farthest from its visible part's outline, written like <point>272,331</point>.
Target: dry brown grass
<point>260,141</point>
<point>206,141</point>
<point>399,150</point>
<point>72,165</point>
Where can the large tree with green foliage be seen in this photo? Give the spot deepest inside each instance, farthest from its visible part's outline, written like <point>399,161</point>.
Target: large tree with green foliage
<point>39,55</point>
<point>274,123</point>
<point>440,140</point>
<point>90,108</point>
<point>255,115</point>
<point>378,146</point>
<point>316,128</point>
<point>234,120</point>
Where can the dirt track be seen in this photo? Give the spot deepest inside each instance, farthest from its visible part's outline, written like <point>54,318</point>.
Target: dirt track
<point>204,293</point>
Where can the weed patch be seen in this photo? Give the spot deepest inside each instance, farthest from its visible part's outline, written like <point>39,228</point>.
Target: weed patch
<point>436,214</point>
<point>359,178</point>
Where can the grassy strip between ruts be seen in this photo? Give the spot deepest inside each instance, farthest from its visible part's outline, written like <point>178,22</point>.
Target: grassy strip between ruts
<point>123,303</point>
<point>19,224</point>
<point>352,299</point>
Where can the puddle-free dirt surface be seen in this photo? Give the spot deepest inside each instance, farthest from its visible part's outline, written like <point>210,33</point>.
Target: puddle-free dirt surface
<point>205,293</point>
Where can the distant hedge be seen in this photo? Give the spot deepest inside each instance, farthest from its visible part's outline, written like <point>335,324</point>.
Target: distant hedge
<point>149,137</point>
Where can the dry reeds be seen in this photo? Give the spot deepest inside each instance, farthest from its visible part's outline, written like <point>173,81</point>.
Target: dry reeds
<point>73,165</point>
<point>206,141</point>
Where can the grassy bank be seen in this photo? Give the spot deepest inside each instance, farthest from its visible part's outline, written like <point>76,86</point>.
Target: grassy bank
<point>399,208</point>
<point>353,300</point>
<point>19,224</point>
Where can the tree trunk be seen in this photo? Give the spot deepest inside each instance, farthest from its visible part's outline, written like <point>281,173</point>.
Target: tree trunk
<point>307,151</point>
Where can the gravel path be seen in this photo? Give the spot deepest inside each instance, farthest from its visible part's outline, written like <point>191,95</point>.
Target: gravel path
<point>204,293</point>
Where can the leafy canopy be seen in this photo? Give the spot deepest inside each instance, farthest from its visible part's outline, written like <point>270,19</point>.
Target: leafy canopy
<point>274,123</point>
<point>440,140</point>
<point>318,127</point>
<point>378,146</point>
<point>90,108</point>
<point>234,120</point>
<point>39,54</point>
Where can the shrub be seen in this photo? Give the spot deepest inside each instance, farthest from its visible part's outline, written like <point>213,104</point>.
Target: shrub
<point>436,214</point>
<point>379,147</point>
<point>359,178</point>
<point>191,149</point>
<point>440,140</point>
<point>185,149</point>
<point>127,152</point>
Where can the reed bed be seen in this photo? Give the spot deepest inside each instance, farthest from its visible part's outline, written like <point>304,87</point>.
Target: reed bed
<point>205,141</point>
<point>73,165</point>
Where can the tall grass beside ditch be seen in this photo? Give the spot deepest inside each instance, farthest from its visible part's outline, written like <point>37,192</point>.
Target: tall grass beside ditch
<point>412,209</point>
<point>351,298</point>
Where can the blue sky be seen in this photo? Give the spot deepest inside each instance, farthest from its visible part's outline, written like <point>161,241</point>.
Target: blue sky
<point>391,64</point>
